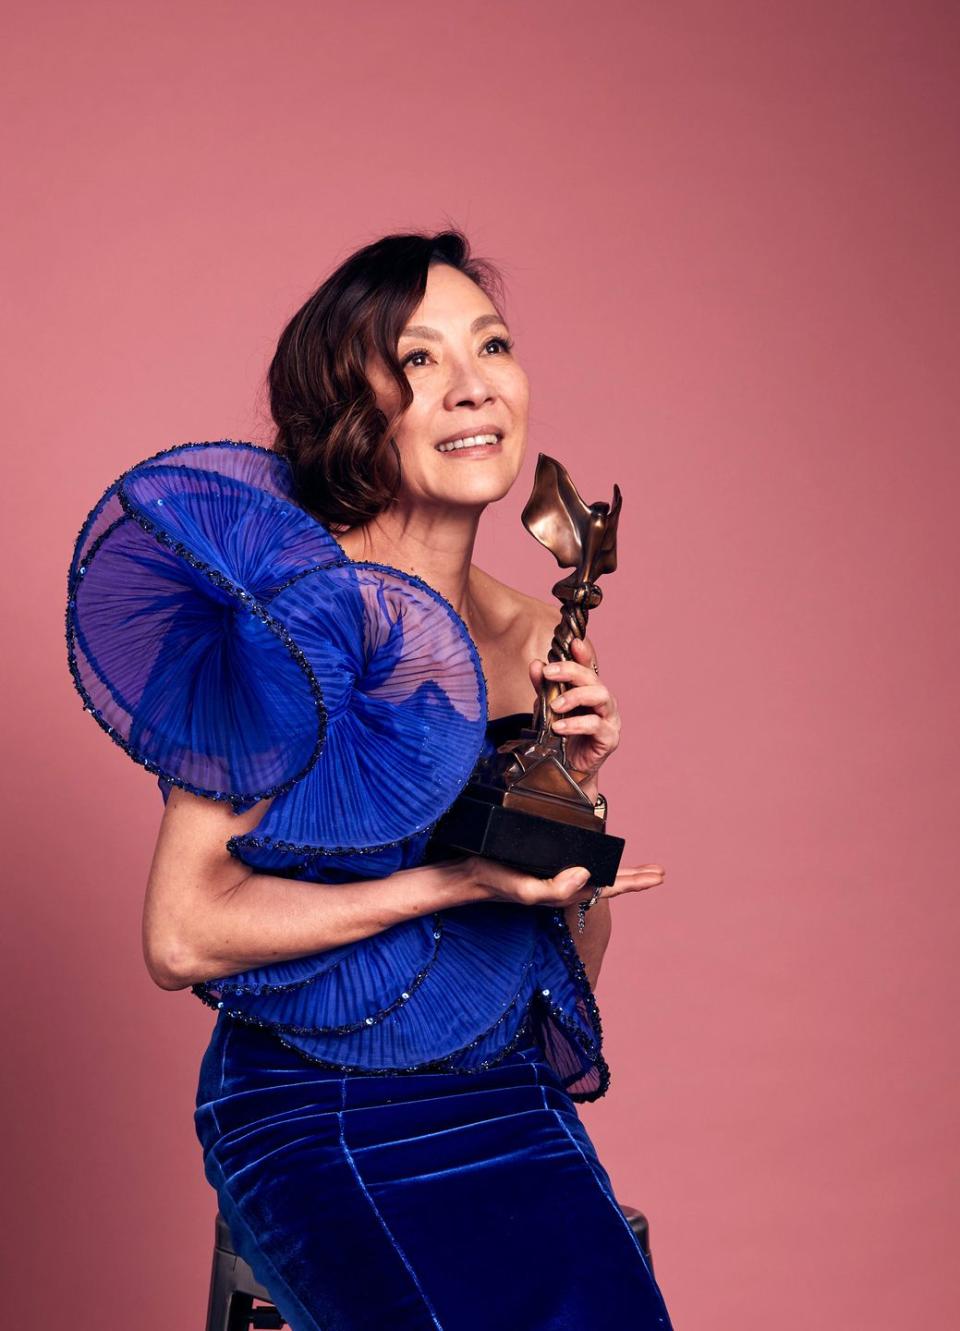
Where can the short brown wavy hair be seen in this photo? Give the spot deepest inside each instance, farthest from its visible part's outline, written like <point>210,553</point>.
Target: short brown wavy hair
<point>345,465</point>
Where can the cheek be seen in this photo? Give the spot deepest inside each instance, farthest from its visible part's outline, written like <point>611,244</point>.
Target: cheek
<point>516,390</point>
<point>412,430</point>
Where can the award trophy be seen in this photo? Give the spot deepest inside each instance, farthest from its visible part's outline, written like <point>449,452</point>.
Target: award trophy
<point>524,805</point>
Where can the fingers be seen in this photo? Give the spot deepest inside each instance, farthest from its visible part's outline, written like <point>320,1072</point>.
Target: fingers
<point>638,878</point>
<point>582,651</point>
<point>589,692</point>
<point>578,672</point>
<point>583,695</point>
<point>570,884</point>
<point>587,724</point>
<point>566,888</point>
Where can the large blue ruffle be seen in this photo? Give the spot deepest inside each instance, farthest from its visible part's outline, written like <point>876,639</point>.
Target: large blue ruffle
<point>220,634</point>
<point>403,732</point>
<point>223,637</point>
<point>170,641</point>
<point>449,990</point>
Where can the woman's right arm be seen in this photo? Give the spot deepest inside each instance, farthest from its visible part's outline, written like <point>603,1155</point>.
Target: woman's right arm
<point>207,915</point>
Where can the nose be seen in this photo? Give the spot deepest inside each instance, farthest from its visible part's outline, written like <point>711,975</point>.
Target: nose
<point>468,384</point>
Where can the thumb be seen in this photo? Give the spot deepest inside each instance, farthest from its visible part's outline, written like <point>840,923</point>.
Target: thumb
<point>536,672</point>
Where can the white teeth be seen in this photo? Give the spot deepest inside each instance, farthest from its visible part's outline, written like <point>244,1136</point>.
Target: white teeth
<point>470,442</point>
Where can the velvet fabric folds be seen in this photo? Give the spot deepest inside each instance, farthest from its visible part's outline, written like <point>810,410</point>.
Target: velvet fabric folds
<point>222,637</point>
<point>431,1202</point>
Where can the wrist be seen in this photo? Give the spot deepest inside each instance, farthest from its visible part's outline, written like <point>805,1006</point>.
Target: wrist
<point>457,882</point>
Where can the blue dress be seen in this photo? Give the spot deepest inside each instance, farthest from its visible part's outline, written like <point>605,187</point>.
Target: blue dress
<point>389,1123</point>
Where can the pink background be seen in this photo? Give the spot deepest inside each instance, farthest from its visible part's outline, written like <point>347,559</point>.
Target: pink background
<point>729,235</point>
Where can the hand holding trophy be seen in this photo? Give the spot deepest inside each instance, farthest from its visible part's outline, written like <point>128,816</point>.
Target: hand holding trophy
<point>524,805</point>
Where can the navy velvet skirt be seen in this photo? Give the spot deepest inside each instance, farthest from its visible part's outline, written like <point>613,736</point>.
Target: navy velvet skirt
<point>456,1200</point>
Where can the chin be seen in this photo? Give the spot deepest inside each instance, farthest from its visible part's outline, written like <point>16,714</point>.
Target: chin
<point>476,488</point>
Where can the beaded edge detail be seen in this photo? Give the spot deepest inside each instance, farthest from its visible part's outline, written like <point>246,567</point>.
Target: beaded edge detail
<point>250,840</point>
<point>592,1051</point>
<point>248,1019</point>
<point>567,946</point>
<point>225,584</point>
<point>205,991</point>
<point>77,569</point>
<point>225,986</point>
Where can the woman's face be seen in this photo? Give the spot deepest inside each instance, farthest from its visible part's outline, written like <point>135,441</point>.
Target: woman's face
<point>456,355</point>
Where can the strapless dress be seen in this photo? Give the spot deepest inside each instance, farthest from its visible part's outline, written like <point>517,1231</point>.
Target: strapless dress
<point>389,1124</point>
<point>219,633</point>
<point>459,988</point>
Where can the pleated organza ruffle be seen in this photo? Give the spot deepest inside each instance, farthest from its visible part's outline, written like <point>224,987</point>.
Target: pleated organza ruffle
<point>220,634</point>
<point>451,990</point>
<point>448,991</point>
<point>405,726</point>
<point>170,641</point>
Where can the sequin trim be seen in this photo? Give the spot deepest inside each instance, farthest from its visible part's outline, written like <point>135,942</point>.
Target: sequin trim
<point>216,989</point>
<point>564,942</point>
<point>78,566</point>
<point>430,1065</point>
<point>74,634</point>
<point>250,840</point>
<point>250,1019</point>
<point>561,936</point>
<point>592,1051</point>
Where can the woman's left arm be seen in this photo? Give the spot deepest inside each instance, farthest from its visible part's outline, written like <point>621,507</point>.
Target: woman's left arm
<point>590,737</point>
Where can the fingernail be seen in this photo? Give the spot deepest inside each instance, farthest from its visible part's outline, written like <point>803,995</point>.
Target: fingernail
<point>559,723</point>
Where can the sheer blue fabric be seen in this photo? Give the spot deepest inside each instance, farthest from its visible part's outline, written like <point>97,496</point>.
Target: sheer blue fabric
<point>220,634</point>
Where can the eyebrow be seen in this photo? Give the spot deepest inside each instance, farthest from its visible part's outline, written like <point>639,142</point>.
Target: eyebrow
<point>421,330</point>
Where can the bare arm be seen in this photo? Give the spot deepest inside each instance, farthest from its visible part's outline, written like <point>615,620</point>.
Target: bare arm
<point>587,691</point>
<point>592,943</point>
<point>206,915</point>
<point>597,921</point>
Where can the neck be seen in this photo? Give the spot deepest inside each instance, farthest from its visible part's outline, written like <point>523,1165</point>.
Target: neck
<point>435,544</point>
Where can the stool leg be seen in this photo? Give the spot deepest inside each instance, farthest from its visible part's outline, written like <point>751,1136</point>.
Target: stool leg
<point>227,1308</point>
<point>639,1224</point>
<point>233,1289</point>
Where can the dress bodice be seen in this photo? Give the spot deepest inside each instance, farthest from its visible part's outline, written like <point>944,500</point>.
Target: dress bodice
<point>457,989</point>
<point>222,637</point>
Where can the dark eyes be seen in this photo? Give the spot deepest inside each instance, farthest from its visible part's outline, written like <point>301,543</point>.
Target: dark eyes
<point>505,342</point>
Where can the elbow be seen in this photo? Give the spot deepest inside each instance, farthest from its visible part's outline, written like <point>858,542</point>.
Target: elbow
<point>182,926</point>
<point>170,965</point>
<point>176,929</point>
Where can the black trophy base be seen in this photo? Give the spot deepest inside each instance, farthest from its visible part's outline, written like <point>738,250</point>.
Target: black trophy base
<point>539,846</point>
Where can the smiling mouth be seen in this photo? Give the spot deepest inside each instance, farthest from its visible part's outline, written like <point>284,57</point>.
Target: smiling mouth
<point>473,443</point>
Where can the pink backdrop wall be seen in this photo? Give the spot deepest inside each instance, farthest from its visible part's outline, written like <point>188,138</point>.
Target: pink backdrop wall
<point>729,238</point>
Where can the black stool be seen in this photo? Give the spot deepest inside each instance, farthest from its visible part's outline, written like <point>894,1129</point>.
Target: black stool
<point>233,1286</point>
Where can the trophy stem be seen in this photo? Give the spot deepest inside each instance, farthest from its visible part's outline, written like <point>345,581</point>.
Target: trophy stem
<point>524,805</point>
<point>577,600</point>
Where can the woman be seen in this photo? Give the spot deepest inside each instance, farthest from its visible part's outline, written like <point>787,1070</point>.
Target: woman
<point>423,1165</point>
